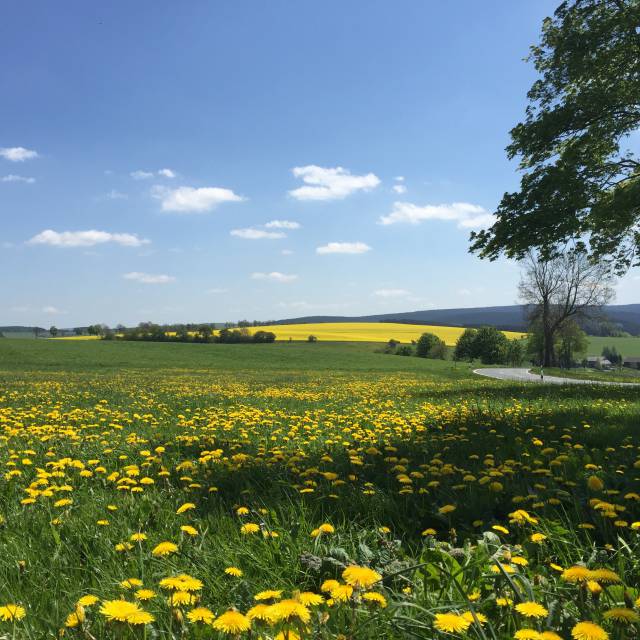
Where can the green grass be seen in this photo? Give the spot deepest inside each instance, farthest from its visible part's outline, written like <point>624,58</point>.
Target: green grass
<point>626,346</point>
<point>614,375</point>
<point>301,435</point>
<point>102,355</point>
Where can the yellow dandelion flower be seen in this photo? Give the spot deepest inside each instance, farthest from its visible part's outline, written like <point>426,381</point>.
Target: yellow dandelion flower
<point>588,631</point>
<point>287,610</point>
<point>189,530</point>
<point>622,615</point>
<point>232,622</point>
<point>605,575</point>
<point>12,612</point>
<point>249,528</point>
<point>527,634</point>
<point>531,610</point>
<point>267,595</point>
<point>164,549</point>
<point>88,600</point>
<point>144,594</point>
<point>310,599</point>
<point>577,573</point>
<point>451,623</point>
<point>201,614</point>
<point>234,571</point>
<point>481,618</point>
<point>342,592</point>
<point>360,577</point>
<point>375,598</point>
<point>187,506</point>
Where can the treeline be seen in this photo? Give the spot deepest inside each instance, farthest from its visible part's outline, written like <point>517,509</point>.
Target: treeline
<point>487,344</point>
<point>149,332</point>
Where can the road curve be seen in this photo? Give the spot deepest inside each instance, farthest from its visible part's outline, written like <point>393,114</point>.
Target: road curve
<point>524,375</point>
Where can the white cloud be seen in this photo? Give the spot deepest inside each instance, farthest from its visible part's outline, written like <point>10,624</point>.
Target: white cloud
<point>399,188</point>
<point>141,175</point>
<point>193,200</point>
<point>274,276</point>
<point>17,154</point>
<point>257,234</point>
<point>52,311</point>
<point>399,178</point>
<point>148,278</point>
<point>326,183</point>
<point>116,195</point>
<point>86,238</point>
<point>343,247</point>
<point>282,224</point>
<point>466,215</point>
<point>391,293</point>
<point>13,178</point>
<point>167,173</point>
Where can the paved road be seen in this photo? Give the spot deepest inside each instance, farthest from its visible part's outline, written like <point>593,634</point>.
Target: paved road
<point>524,375</point>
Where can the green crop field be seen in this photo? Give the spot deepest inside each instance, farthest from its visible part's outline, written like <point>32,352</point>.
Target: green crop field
<point>308,491</point>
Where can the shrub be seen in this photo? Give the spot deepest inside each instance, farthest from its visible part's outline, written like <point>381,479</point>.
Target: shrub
<point>490,346</point>
<point>430,346</point>
<point>465,345</point>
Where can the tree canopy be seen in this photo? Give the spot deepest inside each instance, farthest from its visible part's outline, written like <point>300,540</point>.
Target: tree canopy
<point>581,181</point>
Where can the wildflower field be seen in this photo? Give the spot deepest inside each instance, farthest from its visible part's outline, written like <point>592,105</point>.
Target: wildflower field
<point>309,491</point>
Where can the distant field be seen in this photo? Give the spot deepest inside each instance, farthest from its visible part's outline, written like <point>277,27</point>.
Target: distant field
<point>366,332</point>
<point>625,346</point>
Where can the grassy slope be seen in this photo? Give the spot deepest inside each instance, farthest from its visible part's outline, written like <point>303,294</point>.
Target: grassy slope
<point>625,346</point>
<point>96,356</point>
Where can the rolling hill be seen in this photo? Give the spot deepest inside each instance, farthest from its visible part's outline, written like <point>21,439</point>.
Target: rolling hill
<point>508,318</point>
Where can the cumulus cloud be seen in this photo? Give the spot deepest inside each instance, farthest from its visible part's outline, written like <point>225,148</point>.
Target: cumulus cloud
<point>13,178</point>
<point>167,173</point>
<point>274,276</point>
<point>148,278</point>
<point>141,175</point>
<point>464,214</point>
<point>257,234</point>
<point>282,224</point>
<point>343,247</point>
<point>192,199</point>
<point>399,188</point>
<point>17,154</point>
<point>391,293</point>
<point>326,183</point>
<point>86,238</point>
<point>52,311</point>
<point>116,195</point>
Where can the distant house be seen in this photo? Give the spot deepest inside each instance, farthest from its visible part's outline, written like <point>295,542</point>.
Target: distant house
<point>598,362</point>
<point>632,362</point>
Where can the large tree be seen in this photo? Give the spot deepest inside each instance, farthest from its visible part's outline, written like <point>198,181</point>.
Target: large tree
<point>556,291</point>
<point>580,181</point>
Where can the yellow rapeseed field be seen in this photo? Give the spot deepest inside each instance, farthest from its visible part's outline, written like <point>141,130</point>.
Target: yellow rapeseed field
<point>367,331</point>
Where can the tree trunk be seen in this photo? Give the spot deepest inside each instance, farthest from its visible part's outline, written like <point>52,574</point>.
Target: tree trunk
<point>548,357</point>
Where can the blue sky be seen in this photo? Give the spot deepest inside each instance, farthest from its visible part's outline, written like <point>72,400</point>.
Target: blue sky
<point>212,161</point>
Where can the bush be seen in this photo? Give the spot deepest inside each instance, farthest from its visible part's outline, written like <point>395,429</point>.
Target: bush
<point>430,346</point>
<point>312,339</point>
<point>490,346</point>
<point>465,345</point>
<point>404,350</point>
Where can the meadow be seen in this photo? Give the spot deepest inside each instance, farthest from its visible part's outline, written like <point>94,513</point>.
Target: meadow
<point>309,491</point>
